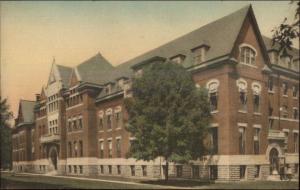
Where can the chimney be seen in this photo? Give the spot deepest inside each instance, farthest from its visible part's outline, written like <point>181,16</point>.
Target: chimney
<point>37,97</point>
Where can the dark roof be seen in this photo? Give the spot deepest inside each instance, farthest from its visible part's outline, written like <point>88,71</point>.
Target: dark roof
<point>65,74</point>
<point>220,35</point>
<point>95,70</point>
<point>27,109</point>
<point>269,45</point>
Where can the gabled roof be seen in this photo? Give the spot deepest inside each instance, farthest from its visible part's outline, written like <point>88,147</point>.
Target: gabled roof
<point>220,35</point>
<point>65,74</point>
<point>269,45</point>
<point>95,70</point>
<point>26,108</point>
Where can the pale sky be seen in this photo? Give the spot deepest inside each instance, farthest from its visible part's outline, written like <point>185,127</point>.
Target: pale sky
<point>33,32</point>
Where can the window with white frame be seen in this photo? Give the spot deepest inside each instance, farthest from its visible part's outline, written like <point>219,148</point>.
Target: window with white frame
<point>109,148</point>
<point>286,136</point>
<point>212,87</point>
<point>295,91</point>
<point>100,124</point>
<point>101,151</point>
<point>284,88</point>
<point>256,88</point>
<point>256,140</point>
<point>242,140</point>
<point>295,113</point>
<point>118,116</point>
<point>109,118</point>
<point>118,147</point>
<point>284,111</point>
<point>247,54</point>
<point>242,88</point>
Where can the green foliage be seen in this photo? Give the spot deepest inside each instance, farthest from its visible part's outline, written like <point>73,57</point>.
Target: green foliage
<point>168,115</point>
<point>5,134</point>
<point>285,33</point>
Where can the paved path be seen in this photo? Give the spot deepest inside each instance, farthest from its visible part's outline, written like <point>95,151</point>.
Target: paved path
<point>102,180</point>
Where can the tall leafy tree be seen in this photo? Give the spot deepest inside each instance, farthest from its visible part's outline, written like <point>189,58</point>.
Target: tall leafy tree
<point>168,115</point>
<point>286,32</point>
<point>5,134</point>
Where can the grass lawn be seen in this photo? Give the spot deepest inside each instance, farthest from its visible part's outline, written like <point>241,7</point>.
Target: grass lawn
<point>45,182</point>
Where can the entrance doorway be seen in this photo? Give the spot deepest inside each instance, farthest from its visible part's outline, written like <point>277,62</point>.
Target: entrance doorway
<point>53,157</point>
<point>274,161</point>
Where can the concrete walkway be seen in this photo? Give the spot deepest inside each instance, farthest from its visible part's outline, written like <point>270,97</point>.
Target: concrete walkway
<point>101,180</point>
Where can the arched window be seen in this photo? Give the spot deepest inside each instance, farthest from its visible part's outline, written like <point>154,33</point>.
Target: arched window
<point>256,88</point>
<point>212,87</point>
<point>242,87</point>
<point>247,54</point>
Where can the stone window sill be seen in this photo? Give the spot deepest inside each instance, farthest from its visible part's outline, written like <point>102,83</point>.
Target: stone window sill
<point>285,96</point>
<point>214,112</point>
<point>256,113</point>
<point>242,111</point>
<point>271,92</point>
<point>249,65</point>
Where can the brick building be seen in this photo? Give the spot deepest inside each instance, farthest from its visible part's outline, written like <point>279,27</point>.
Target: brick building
<point>76,125</point>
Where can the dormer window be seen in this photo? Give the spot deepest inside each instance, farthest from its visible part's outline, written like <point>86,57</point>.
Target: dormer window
<point>247,54</point>
<point>178,58</point>
<point>200,53</point>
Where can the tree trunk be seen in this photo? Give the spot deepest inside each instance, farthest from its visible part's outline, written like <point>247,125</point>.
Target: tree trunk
<point>167,171</point>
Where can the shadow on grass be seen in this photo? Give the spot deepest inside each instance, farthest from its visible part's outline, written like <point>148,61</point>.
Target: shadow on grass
<point>178,183</point>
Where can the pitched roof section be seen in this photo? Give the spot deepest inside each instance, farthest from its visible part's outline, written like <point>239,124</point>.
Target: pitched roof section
<point>95,70</point>
<point>220,35</point>
<point>27,110</point>
<point>65,74</point>
<point>269,45</point>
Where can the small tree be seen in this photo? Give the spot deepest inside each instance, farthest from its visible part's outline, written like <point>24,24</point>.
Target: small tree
<point>5,134</point>
<point>168,115</point>
<point>286,32</point>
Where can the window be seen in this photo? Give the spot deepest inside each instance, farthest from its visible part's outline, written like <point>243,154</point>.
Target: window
<point>118,147</point>
<point>132,169</point>
<point>286,135</point>
<point>178,59</point>
<point>80,123</point>
<point>296,142</point>
<point>144,170</point>
<point>70,169</point>
<point>80,169</point>
<point>295,113</point>
<point>257,171</point>
<point>270,110</point>
<point>70,149</point>
<point>242,140</point>
<point>195,171</point>
<point>212,87</point>
<point>179,170</point>
<point>256,103</point>
<point>284,110</point>
<point>119,169</point>
<point>247,55</point>
<point>256,140</point>
<point>101,123</point>
<point>213,135</point>
<point>242,88</point>
<point>101,145</point>
<point>110,169</point>
<point>118,119</point>
<point>285,88</point>
<point>75,169</point>
<point>69,126</point>
<point>108,121</point>
<point>198,56</point>
<point>242,172</point>
<point>101,169</point>
<point>75,148</point>
<point>213,172</point>
<point>109,148</point>
<point>295,90</point>
<point>81,148</point>
<point>270,84</point>
<point>74,124</point>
